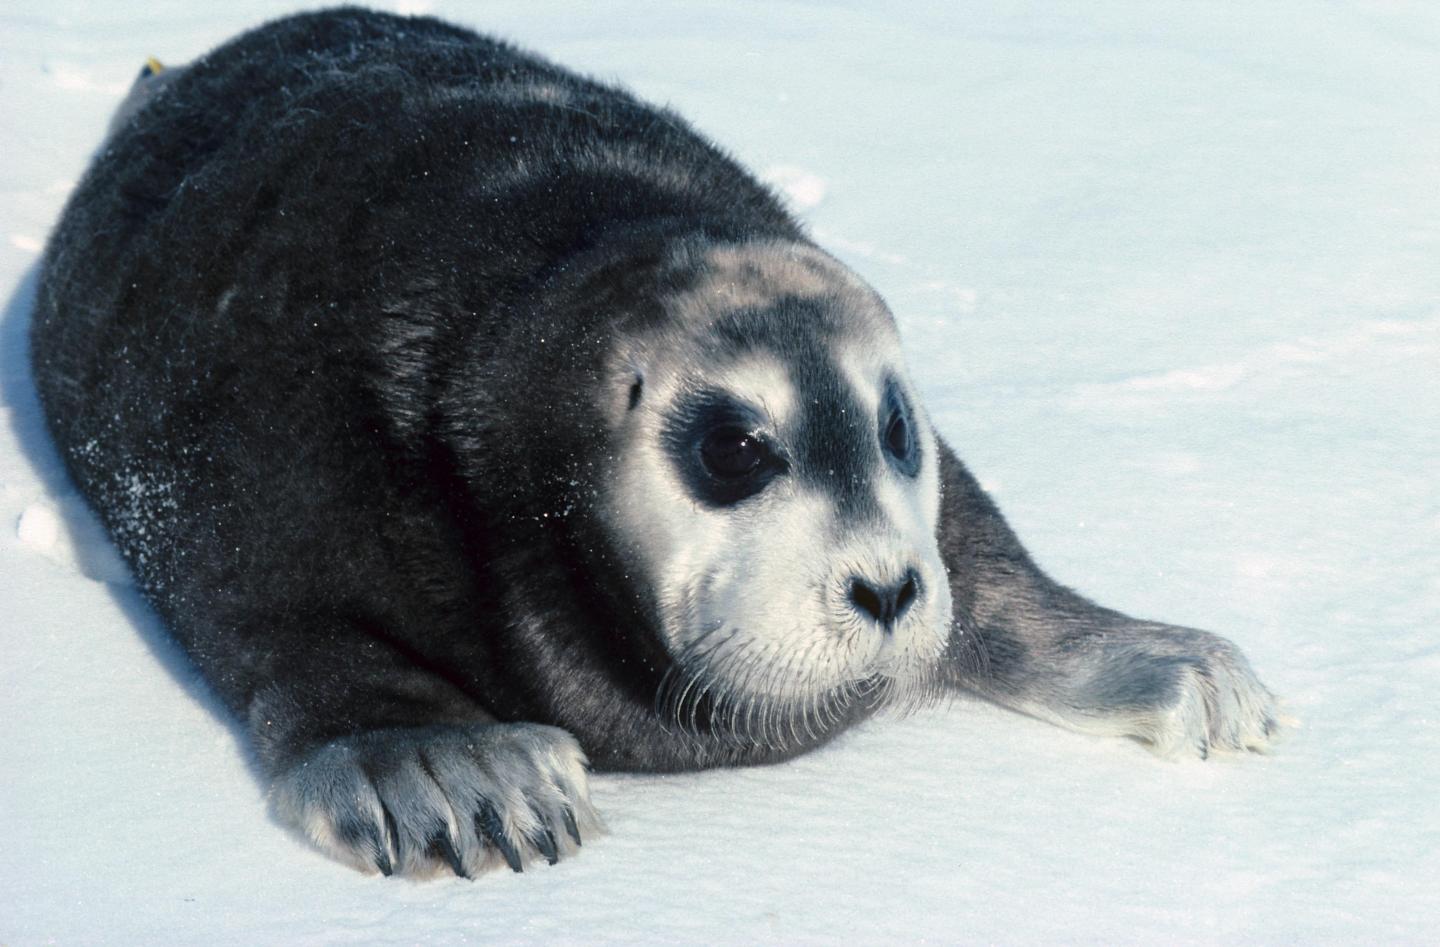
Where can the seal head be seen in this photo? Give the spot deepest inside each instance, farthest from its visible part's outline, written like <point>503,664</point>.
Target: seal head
<point>776,483</point>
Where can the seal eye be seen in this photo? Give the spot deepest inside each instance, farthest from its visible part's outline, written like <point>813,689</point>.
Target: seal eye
<point>719,450</point>
<point>898,440</point>
<point>897,432</point>
<point>731,453</point>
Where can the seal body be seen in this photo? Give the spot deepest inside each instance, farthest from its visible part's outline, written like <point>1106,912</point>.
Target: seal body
<point>470,422</point>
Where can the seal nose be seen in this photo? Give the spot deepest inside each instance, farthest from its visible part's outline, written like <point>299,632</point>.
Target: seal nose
<point>885,606</point>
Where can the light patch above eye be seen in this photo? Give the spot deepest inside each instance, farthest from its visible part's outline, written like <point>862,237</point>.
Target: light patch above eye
<point>762,381</point>
<point>867,365</point>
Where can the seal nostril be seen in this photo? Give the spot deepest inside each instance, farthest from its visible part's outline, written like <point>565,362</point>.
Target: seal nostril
<point>885,606</point>
<point>867,600</point>
<point>908,591</point>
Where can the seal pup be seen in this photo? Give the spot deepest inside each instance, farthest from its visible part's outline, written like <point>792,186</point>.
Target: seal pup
<point>470,423</point>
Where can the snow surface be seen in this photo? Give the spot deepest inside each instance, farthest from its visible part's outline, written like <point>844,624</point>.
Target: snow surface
<point>1170,281</point>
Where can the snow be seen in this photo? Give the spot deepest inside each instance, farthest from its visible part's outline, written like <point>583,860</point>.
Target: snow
<point>1169,282</point>
<point>802,189</point>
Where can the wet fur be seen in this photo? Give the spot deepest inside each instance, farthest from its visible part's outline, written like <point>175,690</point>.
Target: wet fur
<point>318,336</point>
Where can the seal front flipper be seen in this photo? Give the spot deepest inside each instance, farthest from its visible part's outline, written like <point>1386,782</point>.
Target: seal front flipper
<point>390,769</point>
<point>445,799</point>
<point>1024,641</point>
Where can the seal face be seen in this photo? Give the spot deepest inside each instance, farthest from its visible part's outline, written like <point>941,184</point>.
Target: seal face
<point>778,485</point>
<point>471,423</point>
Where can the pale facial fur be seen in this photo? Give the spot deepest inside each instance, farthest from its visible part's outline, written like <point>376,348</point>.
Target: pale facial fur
<point>754,599</point>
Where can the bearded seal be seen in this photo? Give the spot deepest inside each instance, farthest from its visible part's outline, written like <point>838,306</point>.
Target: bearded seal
<point>471,423</point>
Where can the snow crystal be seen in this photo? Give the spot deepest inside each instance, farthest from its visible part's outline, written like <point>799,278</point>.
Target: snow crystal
<point>801,188</point>
<point>69,535</point>
<point>39,528</point>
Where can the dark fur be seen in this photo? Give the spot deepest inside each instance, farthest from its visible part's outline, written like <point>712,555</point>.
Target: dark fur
<point>315,336</point>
